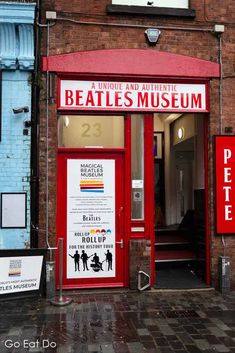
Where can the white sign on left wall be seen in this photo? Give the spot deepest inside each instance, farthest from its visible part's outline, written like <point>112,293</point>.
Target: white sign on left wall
<point>20,274</point>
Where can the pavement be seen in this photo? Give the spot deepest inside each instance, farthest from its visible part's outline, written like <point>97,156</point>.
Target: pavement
<point>112,321</point>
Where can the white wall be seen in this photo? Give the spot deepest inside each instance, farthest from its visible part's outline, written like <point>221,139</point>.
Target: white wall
<point>199,155</point>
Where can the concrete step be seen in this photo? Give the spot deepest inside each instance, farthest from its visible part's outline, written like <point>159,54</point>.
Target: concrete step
<point>175,239</point>
<point>174,255</point>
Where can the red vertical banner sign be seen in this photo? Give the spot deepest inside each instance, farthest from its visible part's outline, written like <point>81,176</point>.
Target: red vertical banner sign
<point>225,184</point>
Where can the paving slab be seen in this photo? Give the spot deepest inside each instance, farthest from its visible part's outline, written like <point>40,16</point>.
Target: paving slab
<point>121,321</point>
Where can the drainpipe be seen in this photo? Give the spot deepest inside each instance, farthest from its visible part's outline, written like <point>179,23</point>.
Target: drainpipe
<point>221,108</point>
<point>224,261</point>
<point>34,178</point>
<point>47,143</point>
<point>47,26</point>
<point>50,287</point>
<point>220,86</point>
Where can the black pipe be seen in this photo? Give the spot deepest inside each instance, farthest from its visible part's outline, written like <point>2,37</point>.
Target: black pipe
<point>34,180</point>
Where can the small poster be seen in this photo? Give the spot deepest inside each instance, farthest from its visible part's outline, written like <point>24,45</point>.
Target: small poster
<point>137,184</point>
<point>91,218</point>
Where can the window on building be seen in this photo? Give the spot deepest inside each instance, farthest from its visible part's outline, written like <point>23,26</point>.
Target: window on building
<point>78,131</point>
<point>180,4</point>
<point>137,166</point>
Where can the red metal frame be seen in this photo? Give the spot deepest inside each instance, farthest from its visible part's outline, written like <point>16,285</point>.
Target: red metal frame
<point>135,223</point>
<point>127,185</point>
<point>149,187</point>
<point>208,275</point>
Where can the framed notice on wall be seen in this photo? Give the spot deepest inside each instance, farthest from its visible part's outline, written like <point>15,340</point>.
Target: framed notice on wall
<point>157,145</point>
<point>13,210</point>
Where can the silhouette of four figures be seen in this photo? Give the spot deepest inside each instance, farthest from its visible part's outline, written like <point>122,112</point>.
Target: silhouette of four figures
<point>96,265</point>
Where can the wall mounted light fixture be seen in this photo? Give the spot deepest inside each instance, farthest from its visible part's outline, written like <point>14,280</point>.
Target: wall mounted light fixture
<point>66,121</point>
<point>180,133</point>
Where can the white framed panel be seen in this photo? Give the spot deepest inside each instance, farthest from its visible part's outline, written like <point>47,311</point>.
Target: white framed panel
<point>13,210</point>
<point>132,96</point>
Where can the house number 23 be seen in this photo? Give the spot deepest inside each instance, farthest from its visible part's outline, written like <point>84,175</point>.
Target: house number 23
<point>89,130</point>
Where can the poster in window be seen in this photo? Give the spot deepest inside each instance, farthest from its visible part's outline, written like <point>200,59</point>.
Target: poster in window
<point>157,145</point>
<point>90,218</point>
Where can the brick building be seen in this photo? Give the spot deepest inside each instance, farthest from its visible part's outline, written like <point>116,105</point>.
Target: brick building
<point>133,95</point>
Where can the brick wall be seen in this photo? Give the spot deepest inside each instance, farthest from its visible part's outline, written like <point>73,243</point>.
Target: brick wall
<point>67,37</point>
<point>139,260</point>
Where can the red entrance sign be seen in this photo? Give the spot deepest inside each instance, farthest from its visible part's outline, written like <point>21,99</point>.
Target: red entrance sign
<point>225,184</point>
<point>132,96</point>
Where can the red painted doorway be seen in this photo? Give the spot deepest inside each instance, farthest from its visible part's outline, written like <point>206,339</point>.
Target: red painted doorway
<point>91,217</point>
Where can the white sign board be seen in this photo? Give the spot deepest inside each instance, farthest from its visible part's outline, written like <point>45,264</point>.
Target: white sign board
<point>20,274</point>
<point>90,218</point>
<point>132,96</point>
<point>13,210</point>
<point>137,184</point>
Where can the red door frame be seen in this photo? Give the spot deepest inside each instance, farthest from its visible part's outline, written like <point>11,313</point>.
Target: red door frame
<point>61,222</point>
<point>206,164</point>
<point>149,169</point>
<point>149,188</point>
<point>148,222</point>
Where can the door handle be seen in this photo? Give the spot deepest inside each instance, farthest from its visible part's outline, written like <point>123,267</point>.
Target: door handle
<point>120,219</point>
<point>121,242</point>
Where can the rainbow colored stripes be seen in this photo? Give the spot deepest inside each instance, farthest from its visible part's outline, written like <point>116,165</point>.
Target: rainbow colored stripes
<point>91,186</point>
<point>14,273</point>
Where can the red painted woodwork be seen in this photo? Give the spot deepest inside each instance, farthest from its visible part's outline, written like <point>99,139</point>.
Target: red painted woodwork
<point>208,274</point>
<point>130,62</point>
<point>127,137</point>
<point>121,278</point>
<point>149,187</point>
